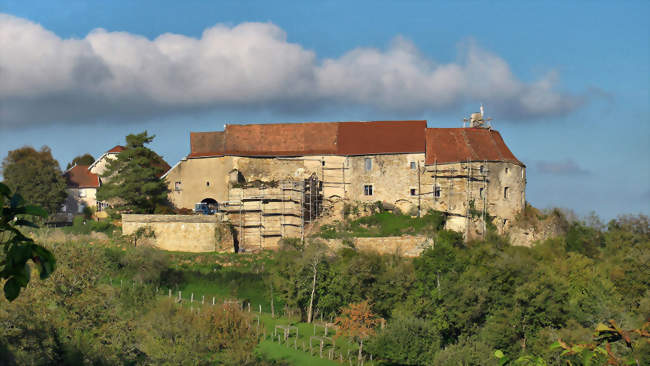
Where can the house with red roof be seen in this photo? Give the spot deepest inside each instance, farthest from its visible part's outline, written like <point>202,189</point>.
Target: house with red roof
<point>82,187</point>
<point>83,182</point>
<point>468,172</point>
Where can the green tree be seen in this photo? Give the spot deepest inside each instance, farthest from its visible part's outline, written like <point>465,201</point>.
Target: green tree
<point>17,248</point>
<point>132,180</point>
<point>36,176</point>
<point>85,159</point>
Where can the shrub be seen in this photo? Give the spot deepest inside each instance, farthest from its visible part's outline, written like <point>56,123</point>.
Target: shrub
<point>406,341</point>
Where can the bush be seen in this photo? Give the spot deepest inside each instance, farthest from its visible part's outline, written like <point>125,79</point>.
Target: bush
<point>406,341</point>
<point>145,264</point>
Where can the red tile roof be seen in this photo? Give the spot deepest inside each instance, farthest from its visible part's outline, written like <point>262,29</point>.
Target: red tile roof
<point>207,143</point>
<point>449,145</point>
<point>443,145</point>
<point>117,149</point>
<point>79,176</point>
<point>381,137</point>
<point>313,138</point>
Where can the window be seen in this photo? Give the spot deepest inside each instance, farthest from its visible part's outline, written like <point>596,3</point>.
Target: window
<point>507,170</point>
<point>322,162</point>
<point>207,184</point>
<point>413,165</point>
<point>177,186</point>
<point>482,169</point>
<point>101,206</point>
<point>505,222</point>
<point>367,190</point>
<point>81,208</point>
<point>368,164</point>
<point>413,193</point>
<point>480,192</point>
<point>437,192</point>
<point>506,192</point>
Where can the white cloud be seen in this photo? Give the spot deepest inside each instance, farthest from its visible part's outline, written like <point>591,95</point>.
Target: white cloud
<point>251,65</point>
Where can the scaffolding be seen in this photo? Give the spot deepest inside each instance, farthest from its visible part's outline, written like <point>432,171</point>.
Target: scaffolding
<point>273,212</point>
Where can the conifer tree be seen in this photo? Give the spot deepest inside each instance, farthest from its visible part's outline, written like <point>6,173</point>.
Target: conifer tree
<point>131,182</point>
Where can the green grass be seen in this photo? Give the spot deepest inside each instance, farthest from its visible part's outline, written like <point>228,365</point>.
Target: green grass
<point>385,224</point>
<point>276,351</point>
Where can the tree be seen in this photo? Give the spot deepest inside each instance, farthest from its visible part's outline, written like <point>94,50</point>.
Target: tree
<point>17,248</point>
<point>36,176</point>
<point>85,159</point>
<point>358,321</point>
<point>132,180</point>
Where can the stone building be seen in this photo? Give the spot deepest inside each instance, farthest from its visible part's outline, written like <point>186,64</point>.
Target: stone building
<point>269,180</point>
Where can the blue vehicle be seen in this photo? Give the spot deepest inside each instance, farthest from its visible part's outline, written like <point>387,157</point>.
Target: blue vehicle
<point>206,208</point>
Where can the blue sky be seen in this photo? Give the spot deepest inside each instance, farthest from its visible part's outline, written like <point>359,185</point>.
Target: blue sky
<point>566,83</point>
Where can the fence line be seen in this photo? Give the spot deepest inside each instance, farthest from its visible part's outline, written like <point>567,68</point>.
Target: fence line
<point>332,351</point>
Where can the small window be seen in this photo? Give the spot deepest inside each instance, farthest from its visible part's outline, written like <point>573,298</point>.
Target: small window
<point>207,184</point>
<point>437,192</point>
<point>506,192</point>
<point>505,222</point>
<point>413,193</point>
<point>507,170</point>
<point>413,165</point>
<point>368,164</point>
<point>367,190</point>
<point>480,192</point>
<point>482,169</point>
<point>177,186</point>
<point>322,162</point>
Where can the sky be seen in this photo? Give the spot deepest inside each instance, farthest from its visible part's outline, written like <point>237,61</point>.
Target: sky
<point>566,83</point>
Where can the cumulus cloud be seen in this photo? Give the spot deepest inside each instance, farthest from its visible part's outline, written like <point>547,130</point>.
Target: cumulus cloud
<point>249,66</point>
<point>567,167</point>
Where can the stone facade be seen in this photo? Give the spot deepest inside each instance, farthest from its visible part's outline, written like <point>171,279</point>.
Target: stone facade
<point>467,173</point>
<point>184,233</point>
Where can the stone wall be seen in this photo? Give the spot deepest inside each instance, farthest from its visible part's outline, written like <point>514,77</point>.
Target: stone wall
<point>183,233</point>
<point>407,246</point>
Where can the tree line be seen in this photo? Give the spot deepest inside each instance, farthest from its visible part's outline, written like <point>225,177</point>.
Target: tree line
<point>459,301</point>
<point>132,182</point>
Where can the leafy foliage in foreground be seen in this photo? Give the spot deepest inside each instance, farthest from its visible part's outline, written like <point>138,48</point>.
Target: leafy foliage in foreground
<point>18,249</point>
<point>78,317</point>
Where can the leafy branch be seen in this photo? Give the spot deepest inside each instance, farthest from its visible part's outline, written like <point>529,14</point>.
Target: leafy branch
<point>18,248</point>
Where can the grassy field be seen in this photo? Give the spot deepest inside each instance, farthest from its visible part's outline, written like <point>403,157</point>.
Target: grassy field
<point>384,224</point>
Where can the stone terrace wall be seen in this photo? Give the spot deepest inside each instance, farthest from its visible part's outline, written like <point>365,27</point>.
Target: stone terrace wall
<point>408,246</point>
<point>184,233</point>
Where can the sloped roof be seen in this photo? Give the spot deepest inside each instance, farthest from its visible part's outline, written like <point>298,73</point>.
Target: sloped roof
<point>381,137</point>
<point>117,149</point>
<point>79,176</point>
<point>285,139</point>
<point>207,143</point>
<point>442,145</point>
<point>312,138</point>
<point>449,145</point>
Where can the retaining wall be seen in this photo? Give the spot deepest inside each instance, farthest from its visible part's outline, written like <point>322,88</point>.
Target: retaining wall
<point>183,233</point>
<point>408,246</point>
